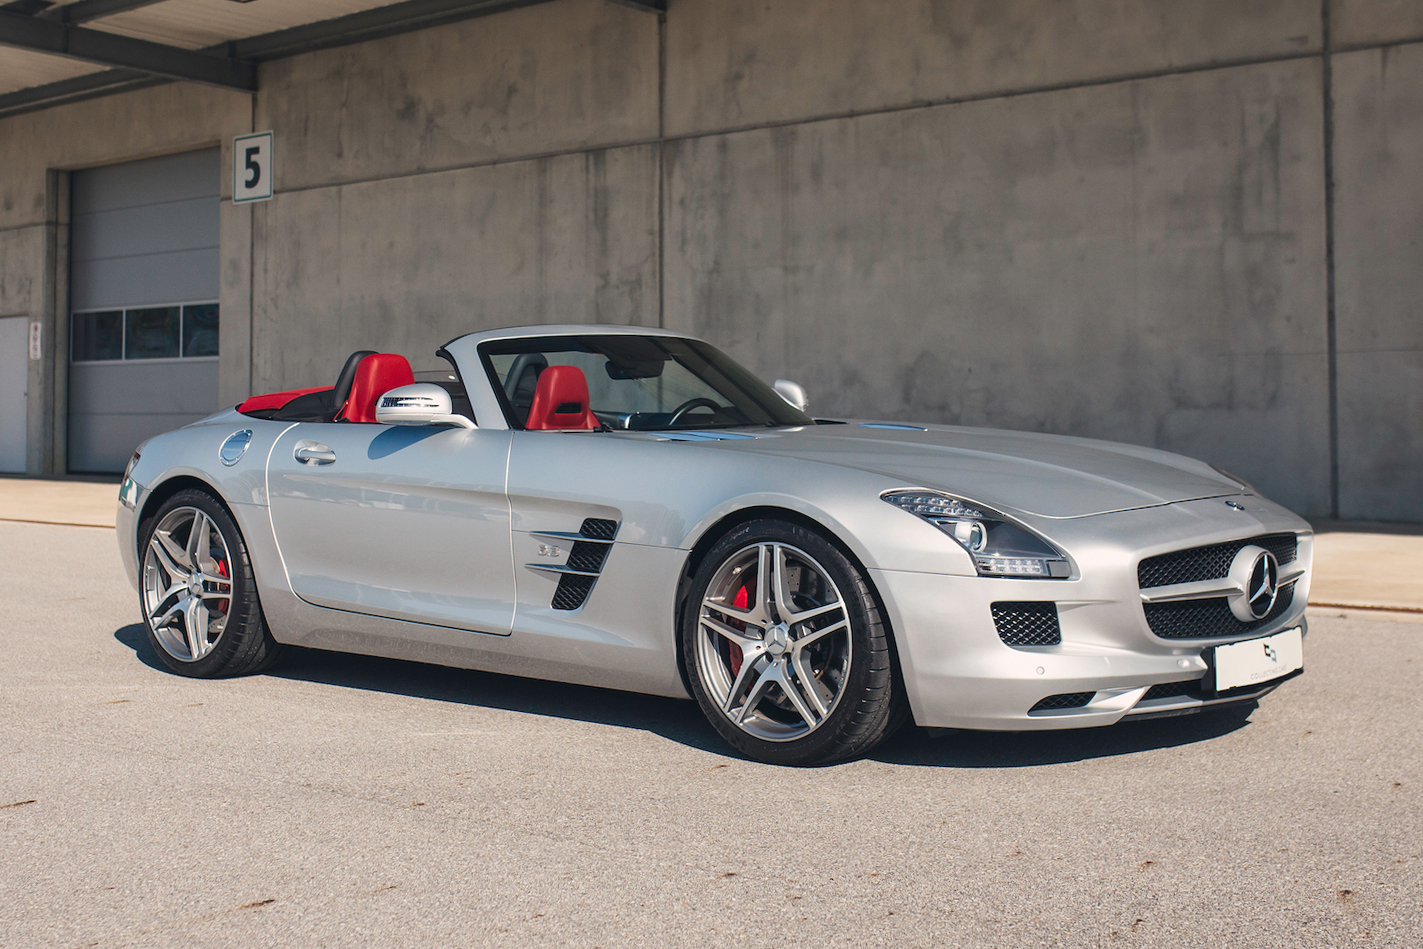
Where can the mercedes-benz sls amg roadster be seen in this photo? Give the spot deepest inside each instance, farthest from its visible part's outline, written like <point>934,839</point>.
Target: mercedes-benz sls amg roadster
<point>630,508</point>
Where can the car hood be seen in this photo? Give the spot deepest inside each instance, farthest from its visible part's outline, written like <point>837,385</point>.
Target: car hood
<point>1031,473</point>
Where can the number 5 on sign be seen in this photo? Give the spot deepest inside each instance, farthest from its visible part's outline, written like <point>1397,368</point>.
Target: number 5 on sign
<point>252,167</point>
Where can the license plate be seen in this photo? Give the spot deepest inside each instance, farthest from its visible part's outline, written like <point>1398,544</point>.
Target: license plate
<point>1257,661</point>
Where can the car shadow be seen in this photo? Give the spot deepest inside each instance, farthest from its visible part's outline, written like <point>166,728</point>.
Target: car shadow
<point>681,721</point>
<point>957,748</point>
<point>673,719</point>
<point>134,637</point>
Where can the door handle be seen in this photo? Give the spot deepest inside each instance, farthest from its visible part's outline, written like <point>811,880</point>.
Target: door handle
<point>313,453</point>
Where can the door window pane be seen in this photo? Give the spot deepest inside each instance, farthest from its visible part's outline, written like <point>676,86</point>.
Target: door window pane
<point>152,333</point>
<point>200,330</point>
<point>98,335</point>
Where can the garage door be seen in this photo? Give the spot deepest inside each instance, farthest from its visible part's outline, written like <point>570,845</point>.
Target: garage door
<point>14,381</point>
<point>143,301</point>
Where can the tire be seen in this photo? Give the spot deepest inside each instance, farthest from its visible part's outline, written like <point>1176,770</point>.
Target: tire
<point>806,682</point>
<point>206,622</point>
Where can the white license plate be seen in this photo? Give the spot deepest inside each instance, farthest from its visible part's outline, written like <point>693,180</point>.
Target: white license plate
<point>1257,661</point>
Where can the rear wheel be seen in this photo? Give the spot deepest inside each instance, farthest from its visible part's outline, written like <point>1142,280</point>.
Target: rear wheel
<point>199,600</point>
<point>786,648</point>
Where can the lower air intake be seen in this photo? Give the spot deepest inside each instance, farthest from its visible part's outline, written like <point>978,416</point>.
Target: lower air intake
<point>1027,624</point>
<point>1171,690</point>
<point>1065,700</point>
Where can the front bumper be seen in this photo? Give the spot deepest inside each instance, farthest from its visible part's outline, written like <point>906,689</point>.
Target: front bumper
<point>959,674</point>
<point>131,497</point>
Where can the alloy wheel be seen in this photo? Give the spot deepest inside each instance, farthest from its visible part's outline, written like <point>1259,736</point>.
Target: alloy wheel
<point>187,583</point>
<point>773,641</point>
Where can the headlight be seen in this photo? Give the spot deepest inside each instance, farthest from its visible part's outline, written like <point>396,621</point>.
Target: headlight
<point>131,462</point>
<point>999,547</point>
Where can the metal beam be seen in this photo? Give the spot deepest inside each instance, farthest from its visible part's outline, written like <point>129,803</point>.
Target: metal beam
<point>369,25</point>
<point>658,7</point>
<point>110,49</point>
<point>25,7</point>
<point>73,90</point>
<point>81,11</point>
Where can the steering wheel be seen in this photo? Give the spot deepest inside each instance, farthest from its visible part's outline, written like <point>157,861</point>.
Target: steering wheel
<point>687,406</point>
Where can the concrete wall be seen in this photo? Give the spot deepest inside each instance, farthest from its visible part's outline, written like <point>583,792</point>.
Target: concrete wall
<point>467,177</point>
<point>1139,261</point>
<point>1378,164</point>
<point>1098,217</point>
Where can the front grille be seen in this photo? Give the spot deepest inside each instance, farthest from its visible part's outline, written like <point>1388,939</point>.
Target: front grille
<point>598,528</point>
<point>572,591</point>
<point>1209,619</point>
<point>1170,690</point>
<point>1211,562</point>
<point>589,557</point>
<point>1065,700</point>
<point>1027,624</point>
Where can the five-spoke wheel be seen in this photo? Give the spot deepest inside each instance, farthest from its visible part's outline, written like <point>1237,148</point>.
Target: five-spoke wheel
<point>199,600</point>
<point>786,649</point>
<point>774,645</point>
<point>187,583</point>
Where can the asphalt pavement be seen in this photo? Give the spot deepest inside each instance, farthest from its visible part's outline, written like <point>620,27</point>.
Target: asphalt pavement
<point>347,801</point>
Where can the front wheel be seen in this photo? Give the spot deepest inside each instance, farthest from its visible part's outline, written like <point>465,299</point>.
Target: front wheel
<point>786,648</point>
<point>199,599</point>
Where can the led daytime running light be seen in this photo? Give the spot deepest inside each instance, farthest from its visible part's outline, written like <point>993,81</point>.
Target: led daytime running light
<point>999,547</point>
<point>933,505</point>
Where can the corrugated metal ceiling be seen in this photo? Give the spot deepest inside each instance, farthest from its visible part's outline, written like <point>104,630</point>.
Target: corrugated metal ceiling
<point>194,24</point>
<point>22,68</point>
<point>188,24</point>
<point>76,49</point>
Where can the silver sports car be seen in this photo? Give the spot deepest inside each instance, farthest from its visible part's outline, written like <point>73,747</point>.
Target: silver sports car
<point>630,508</point>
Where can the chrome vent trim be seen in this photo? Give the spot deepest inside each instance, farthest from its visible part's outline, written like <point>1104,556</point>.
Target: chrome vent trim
<point>586,559</point>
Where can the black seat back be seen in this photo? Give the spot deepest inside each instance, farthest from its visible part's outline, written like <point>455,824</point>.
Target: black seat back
<point>342,392</point>
<point>522,381</point>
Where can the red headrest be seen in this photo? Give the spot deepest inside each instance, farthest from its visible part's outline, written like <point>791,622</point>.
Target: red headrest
<point>375,376</point>
<point>561,401</point>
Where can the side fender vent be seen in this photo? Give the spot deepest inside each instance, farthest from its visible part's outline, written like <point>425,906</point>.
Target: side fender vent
<point>572,590</point>
<point>597,528</point>
<point>585,563</point>
<point>588,558</point>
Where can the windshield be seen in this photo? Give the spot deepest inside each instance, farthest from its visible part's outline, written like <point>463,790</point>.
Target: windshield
<point>639,383</point>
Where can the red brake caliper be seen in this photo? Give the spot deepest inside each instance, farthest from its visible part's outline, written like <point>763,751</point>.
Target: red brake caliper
<point>222,572</point>
<point>741,602</point>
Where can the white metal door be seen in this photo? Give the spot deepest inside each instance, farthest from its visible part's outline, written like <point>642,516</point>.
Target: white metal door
<point>14,383</point>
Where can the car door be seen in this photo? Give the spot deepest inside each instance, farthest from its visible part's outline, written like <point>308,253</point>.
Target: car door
<point>597,519</point>
<point>406,522</point>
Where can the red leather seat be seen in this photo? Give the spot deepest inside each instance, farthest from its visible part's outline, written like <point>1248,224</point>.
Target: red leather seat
<point>376,375</point>
<point>275,400</point>
<point>561,401</point>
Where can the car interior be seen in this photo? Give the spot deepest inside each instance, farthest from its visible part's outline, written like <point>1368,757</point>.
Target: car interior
<point>365,376</point>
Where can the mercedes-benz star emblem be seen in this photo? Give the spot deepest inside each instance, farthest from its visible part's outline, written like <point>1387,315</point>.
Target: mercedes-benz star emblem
<point>1254,576</point>
<point>1263,586</point>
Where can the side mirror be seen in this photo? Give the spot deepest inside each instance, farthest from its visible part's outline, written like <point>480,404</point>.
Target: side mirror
<point>792,392</point>
<point>423,403</point>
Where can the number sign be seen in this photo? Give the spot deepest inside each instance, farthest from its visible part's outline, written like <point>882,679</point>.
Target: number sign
<point>252,167</point>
